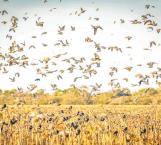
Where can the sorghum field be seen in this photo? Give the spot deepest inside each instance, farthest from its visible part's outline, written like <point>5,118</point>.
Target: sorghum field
<point>80,125</point>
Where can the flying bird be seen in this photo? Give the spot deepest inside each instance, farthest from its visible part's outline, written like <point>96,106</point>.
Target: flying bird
<point>95,28</point>
<point>152,43</point>
<point>129,68</point>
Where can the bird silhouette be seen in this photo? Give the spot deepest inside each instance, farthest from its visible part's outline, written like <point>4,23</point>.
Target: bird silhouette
<point>95,28</point>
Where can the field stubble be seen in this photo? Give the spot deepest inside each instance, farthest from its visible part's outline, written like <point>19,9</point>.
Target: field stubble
<point>80,125</point>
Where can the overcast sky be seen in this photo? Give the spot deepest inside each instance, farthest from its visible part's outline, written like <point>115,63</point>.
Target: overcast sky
<point>113,34</point>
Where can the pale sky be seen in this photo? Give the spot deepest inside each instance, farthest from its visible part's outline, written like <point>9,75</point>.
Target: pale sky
<point>111,35</point>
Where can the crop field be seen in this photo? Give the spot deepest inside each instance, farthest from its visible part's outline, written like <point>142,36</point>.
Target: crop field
<point>80,125</point>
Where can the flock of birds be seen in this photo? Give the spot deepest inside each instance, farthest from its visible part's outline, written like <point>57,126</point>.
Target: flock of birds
<point>15,55</point>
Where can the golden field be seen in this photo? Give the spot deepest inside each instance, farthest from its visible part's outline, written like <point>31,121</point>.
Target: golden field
<point>80,125</point>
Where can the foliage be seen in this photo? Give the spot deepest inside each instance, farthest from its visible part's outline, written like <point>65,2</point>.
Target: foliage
<point>79,96</point>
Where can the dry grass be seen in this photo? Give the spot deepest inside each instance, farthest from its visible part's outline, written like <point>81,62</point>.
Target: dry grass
<point>80,125</point>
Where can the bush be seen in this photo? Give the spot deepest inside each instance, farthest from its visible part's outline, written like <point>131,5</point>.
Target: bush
<point>103,98</point>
